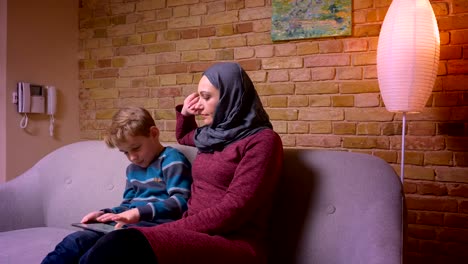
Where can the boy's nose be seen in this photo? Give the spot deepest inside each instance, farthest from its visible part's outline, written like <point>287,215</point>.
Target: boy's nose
<point>132,156</point>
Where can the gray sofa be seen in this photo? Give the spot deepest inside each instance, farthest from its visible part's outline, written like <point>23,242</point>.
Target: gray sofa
<point>331,207</point>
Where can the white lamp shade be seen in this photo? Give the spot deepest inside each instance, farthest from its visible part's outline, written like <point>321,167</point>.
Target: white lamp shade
<point>408,55</point>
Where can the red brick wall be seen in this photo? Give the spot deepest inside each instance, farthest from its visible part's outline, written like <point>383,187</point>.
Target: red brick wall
<point>319,93</point>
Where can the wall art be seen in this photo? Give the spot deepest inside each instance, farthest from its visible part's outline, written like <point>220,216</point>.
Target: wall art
<point>300,19</point>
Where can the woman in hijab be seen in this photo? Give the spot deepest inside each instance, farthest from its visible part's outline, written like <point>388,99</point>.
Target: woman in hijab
<point>234,174</point>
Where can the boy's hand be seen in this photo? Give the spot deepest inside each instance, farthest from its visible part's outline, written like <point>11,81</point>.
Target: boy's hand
<point>91,217</point>
<point>128,217</point>
<point>190,103</point>
<point>107,217</point>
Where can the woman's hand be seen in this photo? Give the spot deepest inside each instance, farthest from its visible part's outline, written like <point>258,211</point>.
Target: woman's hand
<point>190,104</point>
<point>91,217</point>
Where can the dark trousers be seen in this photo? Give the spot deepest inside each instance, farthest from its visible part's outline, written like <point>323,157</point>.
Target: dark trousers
<point>121,246</point>
<point>72,247</point>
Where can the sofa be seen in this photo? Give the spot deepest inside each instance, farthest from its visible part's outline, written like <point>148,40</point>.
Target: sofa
<point>331,206</point>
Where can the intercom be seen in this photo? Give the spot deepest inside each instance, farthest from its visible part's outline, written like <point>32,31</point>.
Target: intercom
<point>51,107</point>
<point>31,98</point>
<point>34,98</point>
<point>51,100</point>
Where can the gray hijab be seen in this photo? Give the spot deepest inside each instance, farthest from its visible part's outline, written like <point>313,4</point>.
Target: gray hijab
<point>239,112</point>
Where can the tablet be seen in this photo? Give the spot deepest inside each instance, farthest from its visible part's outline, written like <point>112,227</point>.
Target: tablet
<point>98,227</point>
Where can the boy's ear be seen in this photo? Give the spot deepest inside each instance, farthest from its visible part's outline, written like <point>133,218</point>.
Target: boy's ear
<point>154,132</point>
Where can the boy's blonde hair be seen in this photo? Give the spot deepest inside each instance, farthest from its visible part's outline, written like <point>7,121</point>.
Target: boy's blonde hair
<point>128,122</point>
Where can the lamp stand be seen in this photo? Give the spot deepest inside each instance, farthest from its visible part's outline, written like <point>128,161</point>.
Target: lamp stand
<point>402,179</point>
<point>402,162</point>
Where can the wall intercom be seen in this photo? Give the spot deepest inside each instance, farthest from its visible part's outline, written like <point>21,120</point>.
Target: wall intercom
<point>51,100</point>
<point>34,98</point>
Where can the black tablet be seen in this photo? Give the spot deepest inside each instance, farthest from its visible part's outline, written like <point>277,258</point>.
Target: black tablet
<point>98,227</point>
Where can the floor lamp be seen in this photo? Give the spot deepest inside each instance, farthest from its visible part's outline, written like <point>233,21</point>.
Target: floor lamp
<point>407,60</point>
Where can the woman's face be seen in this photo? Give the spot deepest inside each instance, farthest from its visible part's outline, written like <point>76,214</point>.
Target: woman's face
<point>208,100</point>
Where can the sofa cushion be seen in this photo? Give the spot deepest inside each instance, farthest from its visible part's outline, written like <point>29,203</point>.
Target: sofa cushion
<point>29,245</point>
<point>336,207</point>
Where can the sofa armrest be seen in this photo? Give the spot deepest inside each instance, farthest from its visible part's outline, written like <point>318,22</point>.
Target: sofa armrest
<point>21,202</point>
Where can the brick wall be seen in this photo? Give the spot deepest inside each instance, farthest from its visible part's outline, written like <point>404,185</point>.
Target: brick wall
<point>319,93</point>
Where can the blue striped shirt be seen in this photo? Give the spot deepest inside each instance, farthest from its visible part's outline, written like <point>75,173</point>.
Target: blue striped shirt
<point>160,191</point>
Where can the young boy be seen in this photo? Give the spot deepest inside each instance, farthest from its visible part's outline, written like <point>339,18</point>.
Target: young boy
<point>157,187</point>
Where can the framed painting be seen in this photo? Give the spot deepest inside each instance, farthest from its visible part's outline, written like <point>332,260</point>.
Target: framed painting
<point>300,19</point>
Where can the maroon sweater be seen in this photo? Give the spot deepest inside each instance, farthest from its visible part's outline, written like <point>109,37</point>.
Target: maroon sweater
<point>232,191</point>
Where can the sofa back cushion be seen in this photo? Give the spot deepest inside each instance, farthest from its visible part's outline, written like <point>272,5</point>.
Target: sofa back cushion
<point>336,207</point>
<point>79,178</point>
<point>82,177</point>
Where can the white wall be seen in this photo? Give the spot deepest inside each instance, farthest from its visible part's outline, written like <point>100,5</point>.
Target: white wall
<point>42,48</point>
